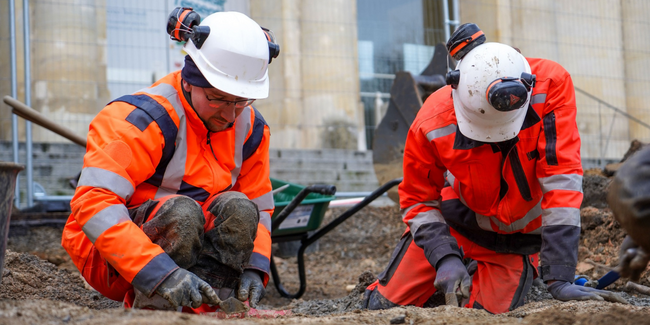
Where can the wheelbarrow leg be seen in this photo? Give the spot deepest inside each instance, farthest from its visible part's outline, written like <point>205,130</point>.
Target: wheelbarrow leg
<point>301,273</point>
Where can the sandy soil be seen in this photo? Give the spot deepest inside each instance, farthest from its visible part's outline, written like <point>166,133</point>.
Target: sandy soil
<point>40,285</point>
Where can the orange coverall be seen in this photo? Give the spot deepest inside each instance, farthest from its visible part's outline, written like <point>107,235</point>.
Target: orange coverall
<point>152,145</point>
<point>497,203</point>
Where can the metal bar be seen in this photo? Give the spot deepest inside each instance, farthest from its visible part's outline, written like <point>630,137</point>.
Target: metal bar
<point>28,100</point>
<point>33,115</point>
<point>600,133</point>
<point>14,93</point>
<point>445,16</point>
<point>609,136</point>
<point>614,108</point>
<point>355,194</point>
<point>456,11</point>
<point>373,95</point>
<point>377,193</point>
<point>377,75</point>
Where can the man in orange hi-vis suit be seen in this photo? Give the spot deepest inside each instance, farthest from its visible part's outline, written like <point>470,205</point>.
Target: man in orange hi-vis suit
<point>173,206</point>
<point>492,173</point>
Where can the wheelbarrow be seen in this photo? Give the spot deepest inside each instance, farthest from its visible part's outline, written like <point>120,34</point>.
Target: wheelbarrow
<point>299,210</point>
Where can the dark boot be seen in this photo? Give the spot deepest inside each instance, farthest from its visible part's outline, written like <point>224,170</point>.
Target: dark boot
<point>373,300</point>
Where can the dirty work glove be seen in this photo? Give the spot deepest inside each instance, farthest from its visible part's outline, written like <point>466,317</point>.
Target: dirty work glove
<point>183,288</point>
<point>565,291</point>
<point>633,260</point>
<point>251,287</point>
<point>452,279</point>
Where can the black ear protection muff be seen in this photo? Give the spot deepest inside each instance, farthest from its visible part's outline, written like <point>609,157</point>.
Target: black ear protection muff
<point>274,49</point>
<point>453,78</point>
<point>183,25</point>
<point>508,94</point>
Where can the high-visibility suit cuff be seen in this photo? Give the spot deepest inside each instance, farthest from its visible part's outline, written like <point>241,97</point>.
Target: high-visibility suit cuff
<point>260,263</point>
<point>443,251</point>
<point>153,274</point>
<point>558,272</point>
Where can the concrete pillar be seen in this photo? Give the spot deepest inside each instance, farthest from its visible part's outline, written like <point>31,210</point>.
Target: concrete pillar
<point>636,43</point>
<point>315,81</point>
<point>68,65</point>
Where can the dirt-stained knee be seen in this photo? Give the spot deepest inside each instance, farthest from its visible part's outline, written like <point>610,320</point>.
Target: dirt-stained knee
<point>228,246</point>
<point>177,227</point>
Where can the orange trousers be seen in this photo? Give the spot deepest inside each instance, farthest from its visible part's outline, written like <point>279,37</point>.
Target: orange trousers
<point>500,283</point>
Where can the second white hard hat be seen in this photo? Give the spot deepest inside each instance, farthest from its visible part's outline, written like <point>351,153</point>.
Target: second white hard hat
<point>479,70</point>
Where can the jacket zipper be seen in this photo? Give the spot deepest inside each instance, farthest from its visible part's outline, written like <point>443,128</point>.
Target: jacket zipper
<point>210,144</point>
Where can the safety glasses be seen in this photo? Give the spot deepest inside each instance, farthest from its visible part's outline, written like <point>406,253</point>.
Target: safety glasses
<point>237,103</point>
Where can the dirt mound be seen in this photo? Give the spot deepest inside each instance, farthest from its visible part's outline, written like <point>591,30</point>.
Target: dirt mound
<point>26,276</point>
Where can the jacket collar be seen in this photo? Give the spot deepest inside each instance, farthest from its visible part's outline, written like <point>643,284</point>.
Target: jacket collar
<point>462,142</point>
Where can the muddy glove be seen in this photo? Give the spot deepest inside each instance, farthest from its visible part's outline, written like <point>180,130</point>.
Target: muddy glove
<point>452,279</point>
<point>251,287</point>
<point>565,291</point>
<point>183,288</point>
<point>633,260</point>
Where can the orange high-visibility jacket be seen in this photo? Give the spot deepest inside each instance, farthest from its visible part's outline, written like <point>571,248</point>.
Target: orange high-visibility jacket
<point>523,203</point>
<point>152,144</point>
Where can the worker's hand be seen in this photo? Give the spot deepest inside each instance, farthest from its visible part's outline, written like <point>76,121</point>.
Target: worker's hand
<point>452,279</point>
<point>565,291</point>
<point>633,260</point>
<point>184,288</point>
<point>251,287</point>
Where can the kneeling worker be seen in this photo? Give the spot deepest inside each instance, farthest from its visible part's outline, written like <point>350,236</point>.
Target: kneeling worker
<point>174,199</point>
<point>492,173</point>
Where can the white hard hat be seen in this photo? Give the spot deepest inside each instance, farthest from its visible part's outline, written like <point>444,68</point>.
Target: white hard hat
<point>234,58</point>
<point>492,91</point>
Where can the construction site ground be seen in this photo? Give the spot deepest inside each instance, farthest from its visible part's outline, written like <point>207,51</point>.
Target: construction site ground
<point>40,285</point>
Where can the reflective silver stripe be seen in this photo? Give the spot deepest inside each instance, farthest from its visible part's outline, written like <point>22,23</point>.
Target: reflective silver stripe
<point>433,204</point>
<point>561,217</point>
<point>264,202</point>
<point>451,179</point>
<point>108,217</point>
<point>406,210</point>
<point>569,182</point>
<point>106,179</point>
<point>168,91</point>
<point>265,220</point>
<point>538,98</point>
<point>532,214</point>
<point>242,127</point>
<point>175,171</point>
<point>422,218</point>
<point>484,222</point>
<point>441,132</point>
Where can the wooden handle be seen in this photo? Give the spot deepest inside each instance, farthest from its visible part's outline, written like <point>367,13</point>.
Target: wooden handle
<point>34,116</point>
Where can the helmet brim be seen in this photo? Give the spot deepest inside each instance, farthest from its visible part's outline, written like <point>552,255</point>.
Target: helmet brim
<point>488,131</point>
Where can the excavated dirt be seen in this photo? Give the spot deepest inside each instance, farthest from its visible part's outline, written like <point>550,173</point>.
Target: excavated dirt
<point>40,284</point>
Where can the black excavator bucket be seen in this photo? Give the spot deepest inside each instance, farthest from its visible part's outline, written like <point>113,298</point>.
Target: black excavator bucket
<point>407,94</point>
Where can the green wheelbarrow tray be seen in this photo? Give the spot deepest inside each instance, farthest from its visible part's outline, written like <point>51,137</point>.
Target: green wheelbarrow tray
<point>307,216</point>
<point>303,209</point>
